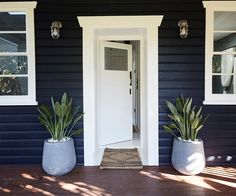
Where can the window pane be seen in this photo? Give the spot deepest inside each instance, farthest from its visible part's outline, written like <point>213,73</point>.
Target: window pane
<point>116,59</point>
<point>223,63</point>
<point>13,65</point>
<point>224,41</point>
<point>224,21</point>
<point>13,86</point>
<point>12,21</point>
<point>222,84</point>
<point>12,43</point>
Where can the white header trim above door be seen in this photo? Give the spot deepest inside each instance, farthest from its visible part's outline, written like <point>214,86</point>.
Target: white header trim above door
<point>145,27</point>
<point>119,21</point>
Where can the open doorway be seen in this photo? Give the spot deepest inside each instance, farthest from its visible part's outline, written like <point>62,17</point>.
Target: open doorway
<point>120,76</point>
<point>144,29</point>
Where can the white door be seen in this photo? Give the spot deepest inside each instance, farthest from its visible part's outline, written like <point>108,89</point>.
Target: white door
<point>115,119</point>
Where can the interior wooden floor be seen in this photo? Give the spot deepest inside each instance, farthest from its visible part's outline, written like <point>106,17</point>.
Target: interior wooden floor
<point>91,181</point>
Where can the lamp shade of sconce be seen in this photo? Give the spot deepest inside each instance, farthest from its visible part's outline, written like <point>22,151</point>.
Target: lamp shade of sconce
<point>55,29</point>
<point>183,28</point>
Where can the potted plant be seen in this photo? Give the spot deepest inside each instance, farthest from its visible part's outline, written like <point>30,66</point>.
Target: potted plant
<point>59,156</point>
<point>188,152</point>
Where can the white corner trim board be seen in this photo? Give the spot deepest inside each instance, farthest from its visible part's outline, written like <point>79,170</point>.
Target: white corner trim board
<point>145,28</point>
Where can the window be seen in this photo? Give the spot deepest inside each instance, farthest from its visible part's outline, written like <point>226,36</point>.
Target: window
<point>220,53</point>
<point>17,53</point>
<point>116,59</point>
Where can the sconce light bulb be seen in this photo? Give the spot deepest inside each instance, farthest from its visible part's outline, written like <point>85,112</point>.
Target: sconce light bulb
<point>183,28</point>
<point>55,33</point>
<point>55,29</point>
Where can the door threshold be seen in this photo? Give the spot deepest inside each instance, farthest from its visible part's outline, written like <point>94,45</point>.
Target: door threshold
<point>126,144</point>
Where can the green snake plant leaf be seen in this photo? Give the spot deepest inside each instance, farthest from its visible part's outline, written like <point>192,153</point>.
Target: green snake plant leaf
<point>188,106</point>
<point>172,108</point>
<point>45,122</point>
<point>53,104</point>
<point>174,126</point>
<point>199,112</point>
<point>61,119</point>
<point>42,113</point>
<point>185,105</point>
<point>186,119</point>
<point>58,109</point>
<point>192,115</point>
<point>76,132</point>
<point>76,110</point>
<point>195,123</point>
<point>75,121</point>
<point>45,116</point>
<point>64,109</point>
<point>45,109</point>
<point>179,105</point>
<point>167,129</point>
<point>175,118</point>
<point>197,130</point>
<point>64,99</point>
<point>205,119</point>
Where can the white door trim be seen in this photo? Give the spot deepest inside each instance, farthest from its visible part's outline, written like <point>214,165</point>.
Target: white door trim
<point>124,26</point>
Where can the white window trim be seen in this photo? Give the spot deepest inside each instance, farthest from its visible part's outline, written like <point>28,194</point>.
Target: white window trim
<point>28,8</point>
<point>149,95</point>
<point>211,7</point>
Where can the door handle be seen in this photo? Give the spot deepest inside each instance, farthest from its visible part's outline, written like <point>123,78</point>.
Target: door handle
<point>130,77</point>
<point>137,83</point>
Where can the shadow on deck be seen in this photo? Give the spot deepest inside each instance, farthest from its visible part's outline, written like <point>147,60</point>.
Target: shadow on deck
<point>91,181</point>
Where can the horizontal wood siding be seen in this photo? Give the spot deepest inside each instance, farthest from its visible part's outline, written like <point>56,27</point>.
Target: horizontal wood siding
<point>59,69</point>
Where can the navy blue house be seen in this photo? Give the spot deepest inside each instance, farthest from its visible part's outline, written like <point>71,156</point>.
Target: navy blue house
<point>59,69</point>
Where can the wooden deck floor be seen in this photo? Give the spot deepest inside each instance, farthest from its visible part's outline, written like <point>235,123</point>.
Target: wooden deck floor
<point>91,181</point>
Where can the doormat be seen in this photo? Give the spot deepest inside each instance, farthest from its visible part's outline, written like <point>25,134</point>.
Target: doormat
<point>121,159</point>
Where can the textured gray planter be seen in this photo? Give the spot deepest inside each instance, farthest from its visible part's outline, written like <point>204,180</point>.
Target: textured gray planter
<point>188,157</point>
<point>58,157</point>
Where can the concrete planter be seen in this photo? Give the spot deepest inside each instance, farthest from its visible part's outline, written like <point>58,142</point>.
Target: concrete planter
<point>58,157</point>
<point>188,157</point>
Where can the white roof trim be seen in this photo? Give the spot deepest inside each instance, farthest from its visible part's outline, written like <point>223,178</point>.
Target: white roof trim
<point>20,5</point>
<point>218,4</point>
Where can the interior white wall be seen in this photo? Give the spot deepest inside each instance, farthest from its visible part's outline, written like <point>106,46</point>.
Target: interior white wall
<point>136,92</point>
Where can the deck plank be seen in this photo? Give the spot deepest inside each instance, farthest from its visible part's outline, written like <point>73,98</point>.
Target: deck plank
<point>91,181</point>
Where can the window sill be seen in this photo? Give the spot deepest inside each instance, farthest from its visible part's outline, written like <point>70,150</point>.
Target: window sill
<point>219,102</point>
<point>33,103</point>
